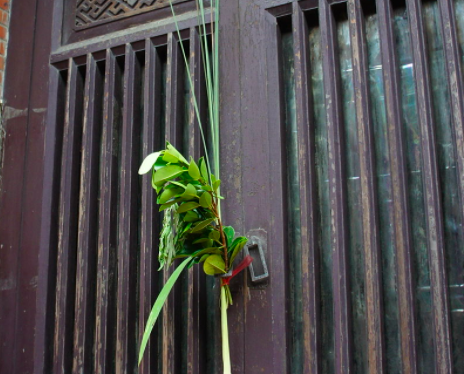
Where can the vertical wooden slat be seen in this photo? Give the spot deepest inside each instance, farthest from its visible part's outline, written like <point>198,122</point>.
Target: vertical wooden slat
<point>372,256</point>
<point>435,231</point>
<point>455,81</point>
<point>193,329</point>
<point>402,231</point>
<point>106,263</point>
<point>308,196</point>
<point>150,217</point>
<point>88,222</point>
<point>68,215</point>
<point>127,220</point>
<point>172,120</point>
<point>337,185</point>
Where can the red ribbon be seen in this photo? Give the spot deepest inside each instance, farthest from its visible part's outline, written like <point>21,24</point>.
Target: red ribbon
<point>243,265</point>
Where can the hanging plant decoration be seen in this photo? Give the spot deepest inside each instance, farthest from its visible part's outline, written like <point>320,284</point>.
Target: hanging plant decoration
<point>189,195</point>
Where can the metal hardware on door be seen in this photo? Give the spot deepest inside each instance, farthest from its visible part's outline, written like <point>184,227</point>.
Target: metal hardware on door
<point>258,268</point>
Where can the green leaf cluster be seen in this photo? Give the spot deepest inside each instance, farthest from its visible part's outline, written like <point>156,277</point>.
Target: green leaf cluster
<point>189,195</point>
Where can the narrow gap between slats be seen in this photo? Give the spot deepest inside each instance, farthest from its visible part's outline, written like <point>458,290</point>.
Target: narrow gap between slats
<point>68,221</point>
<point>60,80</point>
<point>106,287</point>
<point>88,219</point>
<point>434,218</point>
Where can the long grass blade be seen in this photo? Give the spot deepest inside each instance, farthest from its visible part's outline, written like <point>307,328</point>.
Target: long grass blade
<point>155,311</point>
<point>195,103</point>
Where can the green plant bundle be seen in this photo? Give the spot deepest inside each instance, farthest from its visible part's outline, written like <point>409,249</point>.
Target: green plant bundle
<point>192,226</point>
<point>189,194</point>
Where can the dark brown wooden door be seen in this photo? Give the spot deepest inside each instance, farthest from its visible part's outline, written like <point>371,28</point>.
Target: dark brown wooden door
<point>341,148</point>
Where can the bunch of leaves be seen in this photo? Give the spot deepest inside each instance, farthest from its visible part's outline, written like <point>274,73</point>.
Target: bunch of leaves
<point>190,194</point>
<point>192,226</point>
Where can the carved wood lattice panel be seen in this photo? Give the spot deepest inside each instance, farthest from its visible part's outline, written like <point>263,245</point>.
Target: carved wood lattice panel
<point>91,12</point>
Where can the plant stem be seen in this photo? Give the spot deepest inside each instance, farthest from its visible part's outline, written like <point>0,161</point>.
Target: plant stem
<point>225,332</point>
<point>223,237</point>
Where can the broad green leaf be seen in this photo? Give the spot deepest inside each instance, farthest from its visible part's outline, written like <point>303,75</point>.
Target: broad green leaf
<point>190,192</point>
<point>169,194</point>
<point>155,311</point>
<point>148,162</point>
<point>236,247</point>
<point>214,264</point>
<point>170,158</point>
<point>168,172</point>
<point>208,242</point>
<point>193,170</point>
<point>206,187</point>
<point>206,200</point>
<point>216,184</point>
<point>204,170</point>
<point>178,184</point>
<point>215,235</point>
<point>210,250</point>
<point>176,153</point>
<point>167,205</point>
<point>185,207</point>
<point>201,225</point>
<point>229,232</point>
<point>191,216</point>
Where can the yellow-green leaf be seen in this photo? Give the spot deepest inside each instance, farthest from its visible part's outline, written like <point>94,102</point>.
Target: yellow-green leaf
<point>193,170</point>
<point>201,225</point>
<point>166,173</point>
<point>214,264</point>
<point>176,153</point>
<point>206,200</point>
<point>204,170</point>
<point>185,207</point>
<point>169,157</point>
<point>169,194</point>
<point>190,192</point>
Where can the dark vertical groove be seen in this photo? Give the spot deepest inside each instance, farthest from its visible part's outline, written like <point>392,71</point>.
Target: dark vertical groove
<point>107,235</point>
<point>127,220</point>
<point>337,185</point>
<point>435,231</point>
<point>173,119</point>
<point>88,221</point>
<point>193,328</point>
<point>50,222</point>
<point>455,81</point>
<point>150,222</point>
<point>402,231</point>
<point>68,215</point>
<point>372,256</point>
<point>309,216</point>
